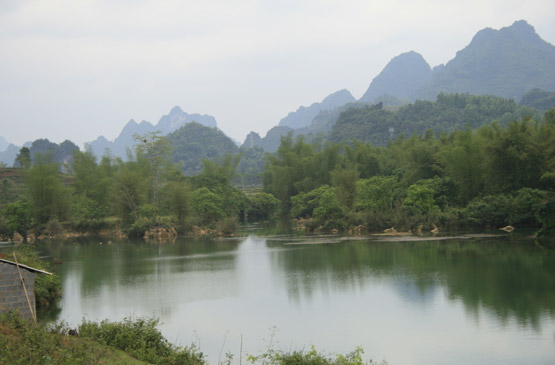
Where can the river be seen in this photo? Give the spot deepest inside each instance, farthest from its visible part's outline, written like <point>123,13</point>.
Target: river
<point>468,299</point>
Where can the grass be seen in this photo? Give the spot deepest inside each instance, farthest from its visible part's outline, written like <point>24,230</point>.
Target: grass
<point>135,341</point>
<point>23,343</point>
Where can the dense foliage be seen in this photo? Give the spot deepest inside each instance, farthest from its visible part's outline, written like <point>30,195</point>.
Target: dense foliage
<point>126,342</point>
<point>311,357</point>
<point>539,99</point>
<point>194,142</point>
<point>502,173</point>
<point>141,339</point>
<point>489,177</point>
<point>144,192</point>
<point>449,113</point>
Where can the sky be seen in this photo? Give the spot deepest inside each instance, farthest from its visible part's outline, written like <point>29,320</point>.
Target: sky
<point>78,69</point>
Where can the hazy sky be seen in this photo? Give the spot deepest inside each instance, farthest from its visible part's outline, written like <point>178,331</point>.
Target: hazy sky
<point>77,69</point>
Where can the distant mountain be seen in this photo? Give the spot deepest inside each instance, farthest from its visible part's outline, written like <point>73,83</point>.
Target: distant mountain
<point>9,154</point>
<point>167,124</point>
<point>401,78</point>
<point>178,118</point>
<point>506,62</point>
<point>303,116</point>
<point>271,140</point>
<point>300,121</point>
<point>252,140</point>
<point>61,153</point>
<point>323,123</point>
<point>194,142</point>
<point>3,144</point>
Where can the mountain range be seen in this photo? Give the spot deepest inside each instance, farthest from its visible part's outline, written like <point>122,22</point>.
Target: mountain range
<point>507,63</point>
<point>303,116</point>
<point>512,63</point>
<point>167,124</point>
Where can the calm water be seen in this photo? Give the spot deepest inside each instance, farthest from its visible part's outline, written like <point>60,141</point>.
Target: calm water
<point>464,300</point>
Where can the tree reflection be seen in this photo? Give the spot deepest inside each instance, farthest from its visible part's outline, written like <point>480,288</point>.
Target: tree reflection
<point>512,277</point>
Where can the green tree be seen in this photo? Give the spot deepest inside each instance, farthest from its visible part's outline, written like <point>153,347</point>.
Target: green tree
<point>157,151</point>
<point>17,216</point>
<point>8,192</point>
<point>520,155</point>
<point>328,211</point>
<point>208,206</point>
<point>179,200</point>
<point>131,186</point>
<point>92,183</point>
<point>303,204</point>
<point>377,193</point>
<point>463,161</point>
<point>262,206</point>
<point>345,184</point>
<point>47,195</point>
<point>23,158</point>
<point>420,200</point>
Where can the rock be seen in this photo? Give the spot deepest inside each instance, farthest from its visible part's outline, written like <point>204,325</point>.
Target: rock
<point>507,229</point>
<point>161,234</point>
<point>390,230</point>
<point>419,230</point>
<point>358,230</point>
<point>435,230</point>
<point>17,237</point>
<point>31,238</point>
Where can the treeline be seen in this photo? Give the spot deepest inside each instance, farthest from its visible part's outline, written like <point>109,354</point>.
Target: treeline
<point>146,191</point>
<point>489,177</point>
<point>448,113</point>
<point>492,176</point>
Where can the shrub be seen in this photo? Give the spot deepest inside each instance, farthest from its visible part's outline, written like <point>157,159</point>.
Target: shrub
<point>312,357</point>
<point>23,343</point>
<point>17,217</point>
<point>262,207</point>
<point>227,226</point>
<point>141,339</point>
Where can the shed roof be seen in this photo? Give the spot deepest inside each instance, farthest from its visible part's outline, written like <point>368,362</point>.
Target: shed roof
<point>25,267</point>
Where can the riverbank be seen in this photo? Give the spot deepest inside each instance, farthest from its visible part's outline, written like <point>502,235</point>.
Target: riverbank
<point>129,342</point>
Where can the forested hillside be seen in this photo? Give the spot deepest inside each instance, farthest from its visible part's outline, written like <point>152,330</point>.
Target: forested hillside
<point>401,78</point>
<point>194,142</point>
<point>538,99</point>
<point>125,141</point>
<point>507,62</point>
<point>447,114</point>
<point>303,116</point>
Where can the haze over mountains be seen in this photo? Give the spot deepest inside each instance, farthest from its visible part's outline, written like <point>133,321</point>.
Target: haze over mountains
<point>401,78</point>
<point>508,63</point>
<point>304,115</point>
<point>167,124</point>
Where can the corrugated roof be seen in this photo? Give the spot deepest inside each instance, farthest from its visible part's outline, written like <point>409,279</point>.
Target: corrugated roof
<point>25,267</point>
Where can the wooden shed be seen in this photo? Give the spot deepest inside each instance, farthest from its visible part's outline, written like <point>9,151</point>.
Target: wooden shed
<point>17,283</point>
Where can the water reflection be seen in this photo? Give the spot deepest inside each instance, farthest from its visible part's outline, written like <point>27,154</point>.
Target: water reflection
<point>467,296</point>
<point>510,279</point>
<point>114,280</point>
